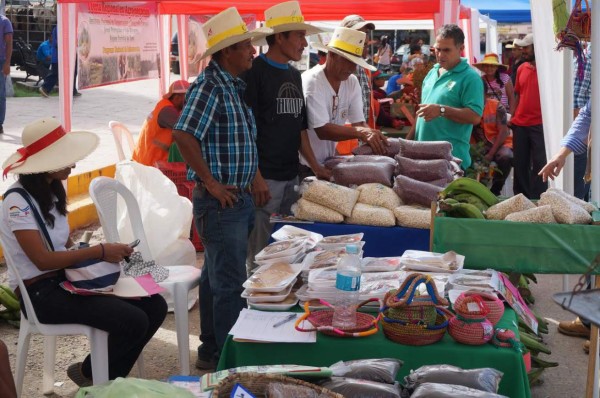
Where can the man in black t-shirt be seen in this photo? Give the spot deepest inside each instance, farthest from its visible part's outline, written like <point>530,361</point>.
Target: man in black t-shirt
<point>274,91</point>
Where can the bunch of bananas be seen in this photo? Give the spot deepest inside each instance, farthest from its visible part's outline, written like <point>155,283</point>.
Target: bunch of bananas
<point>534,343</point>
<point>10,309</point>
<point>466,198</point>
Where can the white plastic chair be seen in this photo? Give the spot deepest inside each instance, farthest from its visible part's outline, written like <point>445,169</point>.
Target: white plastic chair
<point>104,192</point>
<point>119,130</point>
<point>98,341</point>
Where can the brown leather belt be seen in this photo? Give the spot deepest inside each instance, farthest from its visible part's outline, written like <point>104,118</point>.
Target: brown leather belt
<point>29,282</point>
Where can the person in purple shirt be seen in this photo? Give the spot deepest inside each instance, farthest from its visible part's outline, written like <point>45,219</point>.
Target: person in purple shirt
<point>575,141</point>
<point>6,48</point>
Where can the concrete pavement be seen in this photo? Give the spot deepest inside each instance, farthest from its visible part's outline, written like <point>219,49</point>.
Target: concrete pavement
<point>128,103</point>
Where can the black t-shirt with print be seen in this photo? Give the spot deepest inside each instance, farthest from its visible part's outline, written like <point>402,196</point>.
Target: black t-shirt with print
<point>276,98</point>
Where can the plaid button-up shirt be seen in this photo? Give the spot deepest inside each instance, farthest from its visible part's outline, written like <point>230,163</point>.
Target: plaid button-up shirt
<point>216,114</point>
<point>582,88</point>
<point>365,86</point>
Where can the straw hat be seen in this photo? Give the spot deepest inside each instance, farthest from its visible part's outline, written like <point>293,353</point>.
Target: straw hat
<point>490,59</point>
<point>348,43</point>
<point>285,17</point>
<point>177,87</point>
<point>227,28</point>
<point>524,42</point>
<point>356,22</point>
<point>47,147</point>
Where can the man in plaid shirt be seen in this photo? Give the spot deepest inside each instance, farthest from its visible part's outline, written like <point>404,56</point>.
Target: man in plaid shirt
<point>216,135</point>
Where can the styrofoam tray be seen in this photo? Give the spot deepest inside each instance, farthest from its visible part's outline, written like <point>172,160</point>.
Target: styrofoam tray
<point>270,252</point>
<point>289,232</point>
<point>430,267</point>
<point>269,297</point>
<point>292,259</point>
<point>277,287</point>
<point>281,306</point>
<point>380,264</point>
<point>335,241</point>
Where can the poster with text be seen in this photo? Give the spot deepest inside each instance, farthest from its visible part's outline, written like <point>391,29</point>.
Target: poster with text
<point>116,42</point>
<point>197,41</point>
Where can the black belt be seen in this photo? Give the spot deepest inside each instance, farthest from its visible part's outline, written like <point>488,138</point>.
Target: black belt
<point>29,282</point>
<point>232,189</point>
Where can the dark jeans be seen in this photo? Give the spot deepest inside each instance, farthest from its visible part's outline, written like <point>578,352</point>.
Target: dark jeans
<point>504,159</point>
<point>51,78</point>
<point>580,188</point>
<point>224,233</point>
<point>529,158</point>
<point>130,323</point>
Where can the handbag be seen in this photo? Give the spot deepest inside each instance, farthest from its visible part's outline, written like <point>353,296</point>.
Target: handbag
<point>93,274</point>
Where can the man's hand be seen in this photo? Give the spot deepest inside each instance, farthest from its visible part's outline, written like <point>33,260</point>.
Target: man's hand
<point>429,111</point>
<point>376,140</point>
<point>323,173</point>
<point>260,191</point>
<point>223,193</point>
<point>552,168</point>
<point>489,157</point>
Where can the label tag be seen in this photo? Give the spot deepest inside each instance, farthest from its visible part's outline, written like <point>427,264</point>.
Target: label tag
<point>347,283</point>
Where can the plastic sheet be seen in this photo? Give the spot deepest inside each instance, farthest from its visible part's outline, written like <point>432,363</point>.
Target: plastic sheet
<point>134,388</point>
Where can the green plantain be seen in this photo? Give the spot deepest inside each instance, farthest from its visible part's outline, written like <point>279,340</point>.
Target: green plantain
<point>467,197</point>
<point>465,184</point>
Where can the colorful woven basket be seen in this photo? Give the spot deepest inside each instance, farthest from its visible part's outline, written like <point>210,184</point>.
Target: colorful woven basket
<point>494,305</point>
<point>470,325</point>
<point>412,319</point>
<point>366,324</point>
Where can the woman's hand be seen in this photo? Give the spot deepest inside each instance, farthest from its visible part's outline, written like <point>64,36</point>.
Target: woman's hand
<point>115,252</point>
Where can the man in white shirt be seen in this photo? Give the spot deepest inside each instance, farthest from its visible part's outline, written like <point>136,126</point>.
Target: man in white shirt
<point>333,98</point>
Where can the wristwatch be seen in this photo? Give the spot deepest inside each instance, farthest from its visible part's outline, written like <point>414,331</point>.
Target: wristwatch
<point>442,111</point>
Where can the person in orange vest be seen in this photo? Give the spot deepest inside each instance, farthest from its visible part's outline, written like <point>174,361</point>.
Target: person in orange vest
<point>493,128</point>
<point>156,136</point>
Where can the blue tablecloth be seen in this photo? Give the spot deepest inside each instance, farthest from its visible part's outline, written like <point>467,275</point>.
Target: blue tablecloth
<point>380,241</point>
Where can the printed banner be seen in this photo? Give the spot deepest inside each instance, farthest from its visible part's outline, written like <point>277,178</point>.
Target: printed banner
<point>116,42</point>
<point>197,42</point>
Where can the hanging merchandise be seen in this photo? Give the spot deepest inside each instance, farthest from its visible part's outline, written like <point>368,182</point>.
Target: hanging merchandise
<point>578,29</point>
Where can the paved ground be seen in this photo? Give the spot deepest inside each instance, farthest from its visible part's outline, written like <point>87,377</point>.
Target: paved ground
<point>130,103</point>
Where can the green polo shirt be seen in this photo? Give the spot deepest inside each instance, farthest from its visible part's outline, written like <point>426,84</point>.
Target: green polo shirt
<point>460,87</point>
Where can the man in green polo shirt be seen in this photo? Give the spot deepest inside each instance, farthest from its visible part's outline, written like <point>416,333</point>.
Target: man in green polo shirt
<point>451,96</point>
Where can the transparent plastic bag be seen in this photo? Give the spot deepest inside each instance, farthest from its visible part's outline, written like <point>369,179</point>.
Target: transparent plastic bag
<point>333,196</point>
<point>358,173</point>
<point>134,388</point>
<point>484,379</point>
<point>437,390</point>
<point>424,169</point>
<point>361,388</point>
<point>381,370</point>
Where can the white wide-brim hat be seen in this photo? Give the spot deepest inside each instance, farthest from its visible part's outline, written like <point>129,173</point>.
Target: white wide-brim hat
<point>228,28</point>
<point>285,17</point>
<point>348,43</point>
<point>47,147</point>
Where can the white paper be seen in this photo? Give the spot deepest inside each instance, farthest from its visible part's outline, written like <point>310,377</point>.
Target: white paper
<point>258,326</point>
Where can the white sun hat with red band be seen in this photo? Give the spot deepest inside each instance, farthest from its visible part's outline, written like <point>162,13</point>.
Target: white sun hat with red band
<point>348,43</point>
<point>47,147</point>
<point>228,28</point>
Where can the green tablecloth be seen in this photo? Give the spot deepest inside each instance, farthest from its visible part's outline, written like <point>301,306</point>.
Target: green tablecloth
<point>512,246</point>
<point>328,350</point>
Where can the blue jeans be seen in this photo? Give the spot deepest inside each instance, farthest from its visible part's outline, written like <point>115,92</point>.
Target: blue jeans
<point>580,188</point>
<point>224,233</point>
<point>3,99</point>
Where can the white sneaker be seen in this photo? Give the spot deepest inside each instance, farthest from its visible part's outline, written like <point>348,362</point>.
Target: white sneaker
<point>43,92</point>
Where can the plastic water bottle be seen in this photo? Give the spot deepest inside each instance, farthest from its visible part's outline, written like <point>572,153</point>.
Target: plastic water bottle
<point>347,283</point>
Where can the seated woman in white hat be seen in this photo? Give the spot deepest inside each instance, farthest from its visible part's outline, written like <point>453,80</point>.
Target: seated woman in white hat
<point>45,161</point>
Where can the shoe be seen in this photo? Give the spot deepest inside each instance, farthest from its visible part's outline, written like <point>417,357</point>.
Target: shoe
<point>206,364</point>
<point>574,328</point>
<point>43,92</point>
<point>76,94</point>
<point>77,377</point>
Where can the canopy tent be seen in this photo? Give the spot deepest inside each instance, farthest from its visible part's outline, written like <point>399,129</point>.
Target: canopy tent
<point>506,11</point>
<point>441,11</point>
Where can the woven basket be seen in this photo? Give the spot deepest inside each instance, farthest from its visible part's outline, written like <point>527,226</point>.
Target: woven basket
<point>366,324</point>
<point>257,384</point>
<point>408,318</point>
<point>470,326</point>
<point>494,305</point>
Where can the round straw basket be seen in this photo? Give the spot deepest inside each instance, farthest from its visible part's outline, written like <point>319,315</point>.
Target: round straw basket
<point>258,383</point>
<point>415,333</point>
<point>494,305</point>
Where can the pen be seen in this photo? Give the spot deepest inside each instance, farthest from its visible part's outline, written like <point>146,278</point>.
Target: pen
<point>285,320</point>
